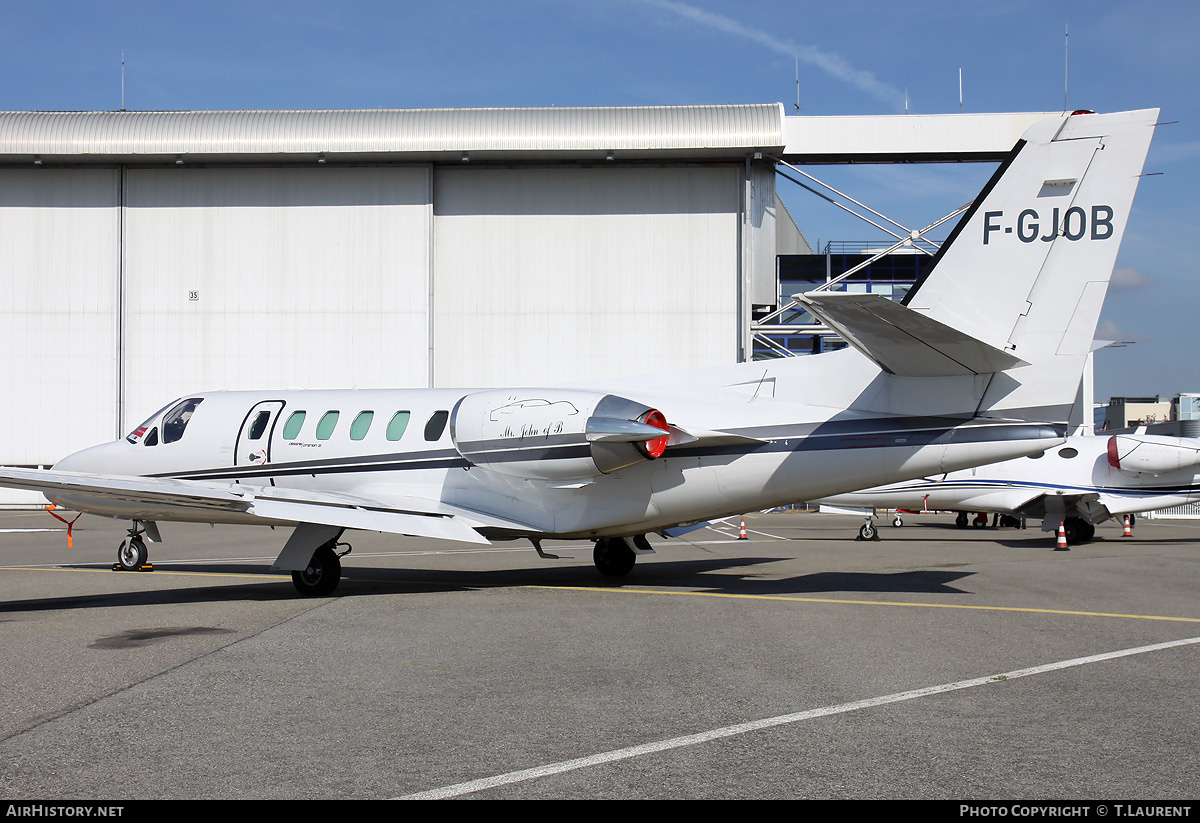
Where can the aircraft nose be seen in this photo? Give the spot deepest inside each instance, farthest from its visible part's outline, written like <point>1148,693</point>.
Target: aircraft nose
<point>93,460</point>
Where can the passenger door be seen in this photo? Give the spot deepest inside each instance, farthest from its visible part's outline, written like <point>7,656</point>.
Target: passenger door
<point>253,447</point>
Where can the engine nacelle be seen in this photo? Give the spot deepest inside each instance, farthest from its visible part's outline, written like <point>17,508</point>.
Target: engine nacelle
<point>556,434</point>
<point>1152,454</point>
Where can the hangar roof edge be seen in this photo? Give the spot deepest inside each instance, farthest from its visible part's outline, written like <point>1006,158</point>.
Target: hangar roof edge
<point>386,131</point>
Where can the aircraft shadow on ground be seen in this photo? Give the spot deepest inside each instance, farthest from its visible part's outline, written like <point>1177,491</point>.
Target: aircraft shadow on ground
<point>715,575</point>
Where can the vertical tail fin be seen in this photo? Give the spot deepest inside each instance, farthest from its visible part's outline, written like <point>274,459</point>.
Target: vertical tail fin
<point>1027,269</point>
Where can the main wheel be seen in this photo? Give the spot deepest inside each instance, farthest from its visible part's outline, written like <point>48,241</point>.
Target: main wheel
<point>321,576</point>
<point>613,557</point>
<point>132,554</point>
<point>961,520</point>
<point>1078,531</point>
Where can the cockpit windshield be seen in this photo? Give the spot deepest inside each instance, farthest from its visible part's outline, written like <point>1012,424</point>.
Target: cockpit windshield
<point>178,415</point>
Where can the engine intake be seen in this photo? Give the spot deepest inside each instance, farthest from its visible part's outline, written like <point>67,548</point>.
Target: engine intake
<point>555,434</point>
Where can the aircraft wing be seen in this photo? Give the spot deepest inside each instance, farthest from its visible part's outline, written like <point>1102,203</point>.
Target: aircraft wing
<point>904,341</point>
<point>151,498</point>
<point>978,495</point>
<point>941,495</point>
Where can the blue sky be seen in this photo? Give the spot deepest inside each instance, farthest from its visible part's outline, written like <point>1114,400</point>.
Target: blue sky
<point>855,58</point>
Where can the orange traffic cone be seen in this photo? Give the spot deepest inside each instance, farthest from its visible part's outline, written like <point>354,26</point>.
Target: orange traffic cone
<point>1128,531</point>
<point>742,531</point>
<point>1062,539</point>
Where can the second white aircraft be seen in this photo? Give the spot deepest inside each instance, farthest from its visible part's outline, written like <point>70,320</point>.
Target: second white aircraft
<point>1077,485</point>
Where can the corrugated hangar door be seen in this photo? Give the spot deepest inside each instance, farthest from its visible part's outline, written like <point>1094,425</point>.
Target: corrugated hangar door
<point>261,278</point>
<point>560,275</point>
<point>58,313</point>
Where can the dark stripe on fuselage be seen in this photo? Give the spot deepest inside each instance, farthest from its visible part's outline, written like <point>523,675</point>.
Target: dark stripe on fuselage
<point>982,485</point>
<point>906,432</point>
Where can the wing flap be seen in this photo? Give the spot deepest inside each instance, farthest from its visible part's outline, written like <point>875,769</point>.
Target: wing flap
<point>437,526</point>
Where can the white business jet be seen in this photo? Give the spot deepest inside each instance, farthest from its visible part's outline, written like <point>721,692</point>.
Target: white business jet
<point>1079,485</point>
<point>979,364</point>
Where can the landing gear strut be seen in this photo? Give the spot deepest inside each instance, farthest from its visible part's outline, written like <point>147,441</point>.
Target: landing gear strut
<point>613,557</point>
<point>323,573</point>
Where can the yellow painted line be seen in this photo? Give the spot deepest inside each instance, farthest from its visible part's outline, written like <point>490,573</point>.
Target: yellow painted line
<point>874,603</point>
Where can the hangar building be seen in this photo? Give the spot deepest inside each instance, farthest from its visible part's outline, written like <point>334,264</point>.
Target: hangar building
<point>144,255</point>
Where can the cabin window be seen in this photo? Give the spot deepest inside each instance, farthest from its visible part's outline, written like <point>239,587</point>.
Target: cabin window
<point>1068,452</point>
<point>292,428</point>
<point>151,438</point>
<point>259,425</point>
<point>397,425</point>
<point>436,425</point>
<point>327,425</point>
<point>361,425</point>
<point>177,419</point>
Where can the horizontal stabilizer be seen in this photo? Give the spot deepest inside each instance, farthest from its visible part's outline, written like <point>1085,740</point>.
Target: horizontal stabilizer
<point>903,341</point>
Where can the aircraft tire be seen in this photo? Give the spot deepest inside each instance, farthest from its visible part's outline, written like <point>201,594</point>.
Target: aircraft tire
<point>322,575</point>
<point>961,520</point>
<point>1078,531</point>
<point>897,521</point>
<point>613,557</point>
<point>132,554</point>
<point>867,532</point>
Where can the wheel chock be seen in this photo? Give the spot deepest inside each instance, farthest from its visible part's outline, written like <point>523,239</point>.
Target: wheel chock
<point>148,567</point>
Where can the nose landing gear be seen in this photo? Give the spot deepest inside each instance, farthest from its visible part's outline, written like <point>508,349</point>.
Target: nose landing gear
<point>132,554</point>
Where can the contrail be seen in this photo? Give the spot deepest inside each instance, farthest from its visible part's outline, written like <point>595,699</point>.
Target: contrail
<point>828,62</point>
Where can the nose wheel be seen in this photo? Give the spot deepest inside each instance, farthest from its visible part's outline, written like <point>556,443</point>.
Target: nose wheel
<point>132,554</point>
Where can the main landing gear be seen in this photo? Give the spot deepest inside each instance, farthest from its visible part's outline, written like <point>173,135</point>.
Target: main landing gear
<point>324,570</point>
<point>1078,530</point>
<point>614,557</point>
